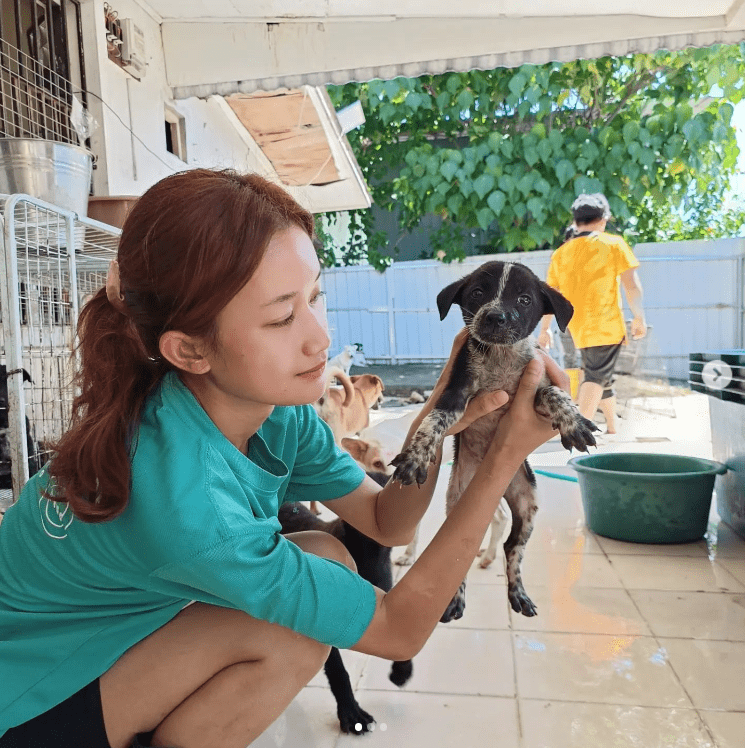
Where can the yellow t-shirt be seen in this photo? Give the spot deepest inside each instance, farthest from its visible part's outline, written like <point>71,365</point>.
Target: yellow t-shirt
<point>586,270</point>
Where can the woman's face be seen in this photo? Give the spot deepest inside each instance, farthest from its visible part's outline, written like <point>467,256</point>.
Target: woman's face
<point>272,336</point>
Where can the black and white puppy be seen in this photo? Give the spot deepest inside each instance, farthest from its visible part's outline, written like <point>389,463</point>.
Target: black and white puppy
<point>502,303</point>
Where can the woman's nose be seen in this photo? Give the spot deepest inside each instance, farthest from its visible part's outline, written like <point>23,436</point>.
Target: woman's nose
<point>318,336</point>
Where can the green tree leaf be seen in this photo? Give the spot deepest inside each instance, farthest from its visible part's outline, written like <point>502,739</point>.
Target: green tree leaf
<point>496,201</point>
<point>483,185</point>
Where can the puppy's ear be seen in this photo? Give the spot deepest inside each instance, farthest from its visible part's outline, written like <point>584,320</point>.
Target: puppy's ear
<point>450,295</point>
<point>554,303</point>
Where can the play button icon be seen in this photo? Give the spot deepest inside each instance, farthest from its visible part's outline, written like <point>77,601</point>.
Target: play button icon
<point>716,375</point>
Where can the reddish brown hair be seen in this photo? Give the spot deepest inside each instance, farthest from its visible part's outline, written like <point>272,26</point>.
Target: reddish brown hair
<point>190,243</point>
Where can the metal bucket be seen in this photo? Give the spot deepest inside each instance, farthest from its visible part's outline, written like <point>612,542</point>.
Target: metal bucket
<point>58,173</point>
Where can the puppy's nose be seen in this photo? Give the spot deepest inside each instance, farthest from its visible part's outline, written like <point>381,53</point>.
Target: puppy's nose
<point>498,319</point>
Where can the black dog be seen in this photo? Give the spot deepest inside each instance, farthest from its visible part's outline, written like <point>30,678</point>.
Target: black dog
<point>374,564</point>
<point>33,459</point>
<point>502,303</point>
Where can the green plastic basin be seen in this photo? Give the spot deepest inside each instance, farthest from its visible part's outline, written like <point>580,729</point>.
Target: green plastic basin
<point>646,498</point>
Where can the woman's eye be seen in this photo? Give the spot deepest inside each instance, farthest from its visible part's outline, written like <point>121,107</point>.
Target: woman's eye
<point>284,322</point>
<point>524,300</point>
<point>317,297</point>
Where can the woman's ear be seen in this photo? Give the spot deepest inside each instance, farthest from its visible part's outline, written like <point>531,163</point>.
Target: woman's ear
<point>184,352</point>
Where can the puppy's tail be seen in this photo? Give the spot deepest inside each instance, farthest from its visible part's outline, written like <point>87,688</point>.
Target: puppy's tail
<point>335,372</point>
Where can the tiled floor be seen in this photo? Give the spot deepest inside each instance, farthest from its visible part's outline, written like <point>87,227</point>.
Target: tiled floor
<point>633,647</point>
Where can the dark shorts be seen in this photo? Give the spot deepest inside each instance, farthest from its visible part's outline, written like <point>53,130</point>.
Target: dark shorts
<point>76,722</point>
<point>598,365</point>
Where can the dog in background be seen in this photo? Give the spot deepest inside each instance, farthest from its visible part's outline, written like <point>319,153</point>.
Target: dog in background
<point>35,459</point>
<point>371,456</point>
<point>349,413</point>
<point>502,304</point>
<point>347,410</point>
<point>374,564</point>
<point>349,355</point>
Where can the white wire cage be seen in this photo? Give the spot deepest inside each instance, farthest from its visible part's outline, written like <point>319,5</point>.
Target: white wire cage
<point>53,261</point>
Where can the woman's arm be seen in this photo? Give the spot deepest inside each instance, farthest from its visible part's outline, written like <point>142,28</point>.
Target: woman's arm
<point>406,616</point>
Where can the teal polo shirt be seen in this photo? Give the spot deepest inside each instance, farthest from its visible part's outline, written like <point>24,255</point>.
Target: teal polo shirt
<point>201,524</point>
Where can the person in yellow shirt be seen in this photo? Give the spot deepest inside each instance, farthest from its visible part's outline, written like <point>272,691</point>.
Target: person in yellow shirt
<point>589,270</point>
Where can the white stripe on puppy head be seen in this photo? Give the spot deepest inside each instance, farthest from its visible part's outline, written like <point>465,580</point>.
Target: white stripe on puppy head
<point>503,281</point>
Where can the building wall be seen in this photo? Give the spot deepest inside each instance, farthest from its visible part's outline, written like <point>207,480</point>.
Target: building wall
<point>130,140</point>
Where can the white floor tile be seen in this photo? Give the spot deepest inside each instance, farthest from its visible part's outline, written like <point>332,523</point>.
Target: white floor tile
<point>309,722</point>
<point>582,610</point>
<point>728,728</point>
<point>563,570</point>
<point>674,573</point>
<point>438,721</point>
<point>695,615</point>
<point>574,539</point>
<point>596,668</point>
<point>735,566</point>
<point>620,547</point>
<point>487,607</point>
<point>713,672</point>
<point>493,575</point>
<point>455,661</point>
<point>553,724</point>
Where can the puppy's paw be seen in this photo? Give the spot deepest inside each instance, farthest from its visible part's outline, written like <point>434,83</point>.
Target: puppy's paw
<point>457,605</point>
<point>401,672</point>
<point>413,463</point>
<point>486,558</point>
<point>577,433</point>
<point>520,601</point>
<point>354,720</point>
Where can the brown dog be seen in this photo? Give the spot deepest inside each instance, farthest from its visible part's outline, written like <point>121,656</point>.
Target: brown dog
<point>347,410</point>
<point>370,455</point>
<point>344,415</point>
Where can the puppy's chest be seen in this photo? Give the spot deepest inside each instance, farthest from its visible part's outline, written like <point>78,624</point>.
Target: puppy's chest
<point>499,369</point>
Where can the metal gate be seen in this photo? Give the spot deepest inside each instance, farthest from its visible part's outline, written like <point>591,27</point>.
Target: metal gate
<point>53,260</point>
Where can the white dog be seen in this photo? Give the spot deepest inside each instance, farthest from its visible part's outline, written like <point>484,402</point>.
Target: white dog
<point>350,354</point>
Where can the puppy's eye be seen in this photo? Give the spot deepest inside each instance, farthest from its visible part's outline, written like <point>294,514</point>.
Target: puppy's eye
<point>524,300</point>
<point>477,293</point>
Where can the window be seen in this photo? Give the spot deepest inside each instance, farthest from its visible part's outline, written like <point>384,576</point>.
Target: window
<point>175,133</point>
<point>41,68</point>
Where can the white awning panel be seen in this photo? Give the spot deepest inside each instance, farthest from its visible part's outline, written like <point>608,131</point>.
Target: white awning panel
<point>240,46</point>
<point>299,143</point>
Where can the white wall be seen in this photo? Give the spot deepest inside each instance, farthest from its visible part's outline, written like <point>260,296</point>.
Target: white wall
<point>135,109</point>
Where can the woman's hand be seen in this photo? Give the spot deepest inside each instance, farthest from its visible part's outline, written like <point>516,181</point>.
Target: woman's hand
<point>554,372</point>
<point>522,429</point>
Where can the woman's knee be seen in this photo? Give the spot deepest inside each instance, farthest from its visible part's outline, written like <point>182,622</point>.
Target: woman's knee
<point>305,659</point>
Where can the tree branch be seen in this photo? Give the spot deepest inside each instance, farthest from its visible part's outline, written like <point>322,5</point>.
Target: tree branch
<point>643,81</point>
